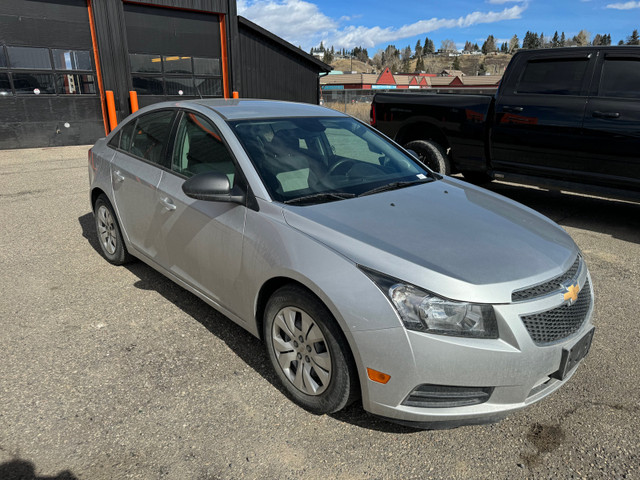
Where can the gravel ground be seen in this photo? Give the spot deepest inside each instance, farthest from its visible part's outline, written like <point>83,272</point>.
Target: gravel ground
<point>117,373</point>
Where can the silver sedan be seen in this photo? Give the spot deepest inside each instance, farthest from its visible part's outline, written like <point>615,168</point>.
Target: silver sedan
<point>367,276</point>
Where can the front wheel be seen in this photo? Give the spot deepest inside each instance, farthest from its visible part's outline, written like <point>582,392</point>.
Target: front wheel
<point>431,154</point>
<point>308,351</point>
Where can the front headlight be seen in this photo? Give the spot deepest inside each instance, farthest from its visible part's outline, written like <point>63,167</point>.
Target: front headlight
<point>425,312</point>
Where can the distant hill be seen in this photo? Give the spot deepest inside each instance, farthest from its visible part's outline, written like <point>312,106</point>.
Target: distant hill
<point>469,64</point>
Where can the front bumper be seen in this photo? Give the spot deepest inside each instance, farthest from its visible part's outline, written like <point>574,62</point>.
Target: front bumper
<point>517,371</point>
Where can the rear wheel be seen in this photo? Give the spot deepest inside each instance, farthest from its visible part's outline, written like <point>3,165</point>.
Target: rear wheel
<point>308,351</point>
<point>431,154</point>
<point>108,231</point>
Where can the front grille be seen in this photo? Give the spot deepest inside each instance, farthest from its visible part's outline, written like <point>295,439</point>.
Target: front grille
<point>553,325</point>
<point>546,287</point>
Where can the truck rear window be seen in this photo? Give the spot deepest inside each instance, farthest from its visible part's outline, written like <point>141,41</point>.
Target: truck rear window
<point>553,76</point>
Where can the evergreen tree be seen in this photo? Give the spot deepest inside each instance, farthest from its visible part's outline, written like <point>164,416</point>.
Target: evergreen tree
<point>321,48</point>
<point>327,57</point>
<point>621,42</point>
<point>634,38</point>
<point>563,40</point>
<point>429,47</point>
<point>482,69</point>
<point>489,46</point>
<point>418,49</point>
<point>419,65</point>
<point>555,41</point>
<point>606,39</point>
<point>456,63</point>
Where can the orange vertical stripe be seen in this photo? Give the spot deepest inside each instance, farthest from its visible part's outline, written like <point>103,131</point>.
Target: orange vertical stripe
<point>97,63</point>
<point>111,107</point>
<point>223,47</point>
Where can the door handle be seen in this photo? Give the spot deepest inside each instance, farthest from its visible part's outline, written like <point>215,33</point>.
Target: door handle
<point>506,108</point>
<point>599,114</point>
<point>118,177</point>
<point>168,204</point>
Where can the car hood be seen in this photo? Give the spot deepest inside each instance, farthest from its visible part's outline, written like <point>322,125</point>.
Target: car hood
<point>451,238</point>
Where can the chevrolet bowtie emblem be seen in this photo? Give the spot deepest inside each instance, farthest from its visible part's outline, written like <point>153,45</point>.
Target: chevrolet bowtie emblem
<point>571,294</point>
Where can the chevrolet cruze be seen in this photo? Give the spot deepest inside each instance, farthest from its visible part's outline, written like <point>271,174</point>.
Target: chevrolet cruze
<point>367,276</point>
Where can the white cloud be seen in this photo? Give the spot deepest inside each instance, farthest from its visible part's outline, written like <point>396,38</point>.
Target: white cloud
<point>624,6</point>
<point>302,23</point>
<point>502,2</point>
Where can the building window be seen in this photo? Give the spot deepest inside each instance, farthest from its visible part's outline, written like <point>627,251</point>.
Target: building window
<point>5,85</point>
<point>33,72</point>
<point>141,63</point>
<point>33,84</point>
<point>76,84</point>
<point>175,75</point>
<point>71,59</point>
<point>29,58</point>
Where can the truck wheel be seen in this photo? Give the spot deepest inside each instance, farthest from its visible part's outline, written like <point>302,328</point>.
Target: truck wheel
<point>431,154</point>
<point>477,178</point>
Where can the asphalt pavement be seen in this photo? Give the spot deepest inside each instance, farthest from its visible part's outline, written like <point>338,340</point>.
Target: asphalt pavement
<point>117,373</point>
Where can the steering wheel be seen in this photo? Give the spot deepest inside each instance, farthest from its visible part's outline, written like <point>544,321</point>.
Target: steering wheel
<point>341,167</point>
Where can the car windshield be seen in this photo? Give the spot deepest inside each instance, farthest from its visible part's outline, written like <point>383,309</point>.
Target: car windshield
<point>312,160</point>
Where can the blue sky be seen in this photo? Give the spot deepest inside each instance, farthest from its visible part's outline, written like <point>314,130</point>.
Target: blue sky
<point>374,24</point>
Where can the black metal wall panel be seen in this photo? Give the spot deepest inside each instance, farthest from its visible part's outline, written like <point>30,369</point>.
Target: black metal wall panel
<point>270,71</point>
<point>213,6</point>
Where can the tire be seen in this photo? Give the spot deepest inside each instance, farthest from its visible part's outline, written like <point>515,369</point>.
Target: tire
<point>431,154</point>
<point>108,232</point>
<point>477,178</point>
<point>308,351</point>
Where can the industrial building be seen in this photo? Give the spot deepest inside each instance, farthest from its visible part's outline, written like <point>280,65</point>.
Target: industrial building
<point>72,69</point>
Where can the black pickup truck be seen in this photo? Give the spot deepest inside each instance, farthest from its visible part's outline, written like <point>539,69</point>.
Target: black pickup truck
<point>564,118</point>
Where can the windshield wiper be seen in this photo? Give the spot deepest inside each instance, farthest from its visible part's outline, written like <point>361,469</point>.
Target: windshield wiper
<point>395,186</point>
<point>320,197</point>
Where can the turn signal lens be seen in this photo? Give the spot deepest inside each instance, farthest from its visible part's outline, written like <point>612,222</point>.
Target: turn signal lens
<point>378,376</point>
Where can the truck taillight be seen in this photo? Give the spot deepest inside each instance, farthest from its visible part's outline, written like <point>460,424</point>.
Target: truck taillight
<point>372,115</point>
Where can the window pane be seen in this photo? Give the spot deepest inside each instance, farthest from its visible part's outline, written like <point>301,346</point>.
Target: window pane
<point>28,57</point>
<point>5,86</point>
<point>76,84</point>
<point>207,66</point>
<point>621,78</point>
<point>559,77</point>
<point>33,83</point>
<point>151,136</point>
<point>72,59</point>
<point>127,134</point>
<point>145,63</point>
<point>148,85</point>
<point>175,64</point>
<point>199,148</point>
<point>176,85</point>
<point>3,59</point>
<point>209,87</point>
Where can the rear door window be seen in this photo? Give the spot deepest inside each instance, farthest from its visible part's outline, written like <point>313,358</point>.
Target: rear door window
<point>151,136</point>
<point>620,77</point>
<point>563,76</point>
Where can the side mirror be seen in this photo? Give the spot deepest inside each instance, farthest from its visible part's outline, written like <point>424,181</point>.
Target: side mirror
<point>212,187</point>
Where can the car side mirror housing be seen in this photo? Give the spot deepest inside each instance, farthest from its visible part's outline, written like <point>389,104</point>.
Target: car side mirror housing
<point>213,187</point>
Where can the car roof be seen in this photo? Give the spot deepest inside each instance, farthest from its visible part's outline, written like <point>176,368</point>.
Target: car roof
<point>241,109</point>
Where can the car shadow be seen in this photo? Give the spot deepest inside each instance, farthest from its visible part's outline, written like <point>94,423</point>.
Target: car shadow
<point>23,470</point>
<point>617,218</point>
<point>235,337</point>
